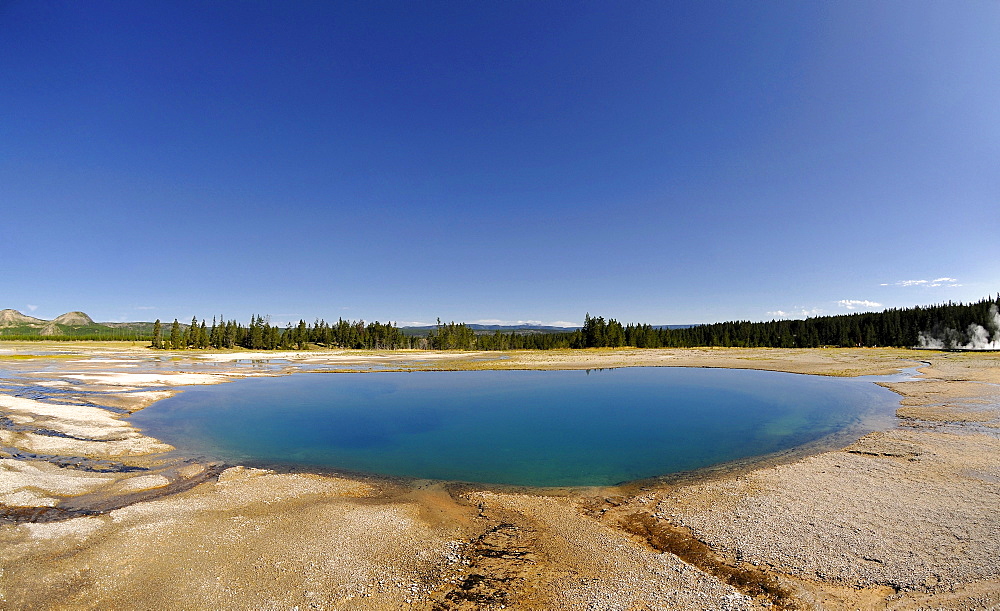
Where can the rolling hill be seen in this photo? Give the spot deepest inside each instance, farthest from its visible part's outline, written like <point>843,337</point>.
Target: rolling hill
<point>15,325</point>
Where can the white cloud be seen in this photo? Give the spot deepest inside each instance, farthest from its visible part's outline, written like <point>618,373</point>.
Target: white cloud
<point>853,304</point>
<point>937,282</point>
<point>796,312</point>
<point>32,307</point>
<point>512,323</point>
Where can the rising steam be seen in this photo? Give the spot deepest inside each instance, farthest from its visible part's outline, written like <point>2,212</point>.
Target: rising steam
<point>976,337</point>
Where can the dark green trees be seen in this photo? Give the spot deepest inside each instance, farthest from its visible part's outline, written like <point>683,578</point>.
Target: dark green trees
<point>598,333</point>
<point>452,336</point>
<point>262,335</point>
<point>175,335</point>
<point>948,323</point>
<point>157,335</point>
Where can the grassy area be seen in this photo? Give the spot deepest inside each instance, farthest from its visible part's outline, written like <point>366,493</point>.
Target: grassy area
<point>69,344</point>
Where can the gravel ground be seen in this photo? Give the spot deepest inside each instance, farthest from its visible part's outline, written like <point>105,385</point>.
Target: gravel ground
<point>95,515</point>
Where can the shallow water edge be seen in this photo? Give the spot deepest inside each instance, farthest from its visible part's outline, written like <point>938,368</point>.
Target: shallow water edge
<point>542,429</point>
<point>129,380</point>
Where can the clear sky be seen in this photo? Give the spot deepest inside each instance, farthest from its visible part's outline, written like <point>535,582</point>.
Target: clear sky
<point>661,162</point>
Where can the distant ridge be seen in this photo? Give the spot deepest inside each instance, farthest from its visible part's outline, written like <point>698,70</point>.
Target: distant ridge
<point>73,319</point>
<point>481,329</point>
<point>10,317</point>
<point>76,324</point>
<point>14,322</point>
<point>516,329</point>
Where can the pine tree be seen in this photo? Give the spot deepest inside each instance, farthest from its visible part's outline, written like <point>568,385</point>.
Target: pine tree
<point>213,335</point>
<point>301,335</point>
<point>191,336</point>
<point>157,334</point>
<point>175,335</point>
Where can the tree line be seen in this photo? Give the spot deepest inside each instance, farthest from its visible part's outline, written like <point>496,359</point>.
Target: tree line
<point>892,328</point>
<point>901,328</point>
<point>260,334</point>
<point>897,327</point>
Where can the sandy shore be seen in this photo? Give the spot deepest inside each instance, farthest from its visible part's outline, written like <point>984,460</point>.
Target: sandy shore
<point>94,514</point>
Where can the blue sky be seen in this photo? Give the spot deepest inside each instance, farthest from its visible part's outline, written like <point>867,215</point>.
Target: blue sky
<point>649,161</point>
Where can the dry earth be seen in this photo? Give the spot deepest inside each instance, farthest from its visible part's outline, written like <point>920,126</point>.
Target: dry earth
<point>94,514</point>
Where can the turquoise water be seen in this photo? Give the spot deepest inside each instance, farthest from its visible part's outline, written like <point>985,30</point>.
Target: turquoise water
<point>534,428</point>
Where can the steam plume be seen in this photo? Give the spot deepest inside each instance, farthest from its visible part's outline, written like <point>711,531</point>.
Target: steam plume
<point>976,337</point>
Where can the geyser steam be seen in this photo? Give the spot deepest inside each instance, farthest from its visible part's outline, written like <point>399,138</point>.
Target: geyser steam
<point>975,337</point>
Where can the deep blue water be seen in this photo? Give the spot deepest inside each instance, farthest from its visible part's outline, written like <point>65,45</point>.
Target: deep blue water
<point>535,428</point>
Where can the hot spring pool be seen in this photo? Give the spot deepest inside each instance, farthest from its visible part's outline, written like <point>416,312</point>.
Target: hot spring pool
<point>532,428</point>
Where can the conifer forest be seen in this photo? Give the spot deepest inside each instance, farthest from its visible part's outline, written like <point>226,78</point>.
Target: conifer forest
<point>943,326</point>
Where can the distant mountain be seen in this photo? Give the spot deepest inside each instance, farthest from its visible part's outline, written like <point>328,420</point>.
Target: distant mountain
<point>10,318</point>
<point>518,329</point>
<point>481,329</point>
<point>509,328</point>
<point>78,324</point>
<point>73,319</point>
<point>70,324</point>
